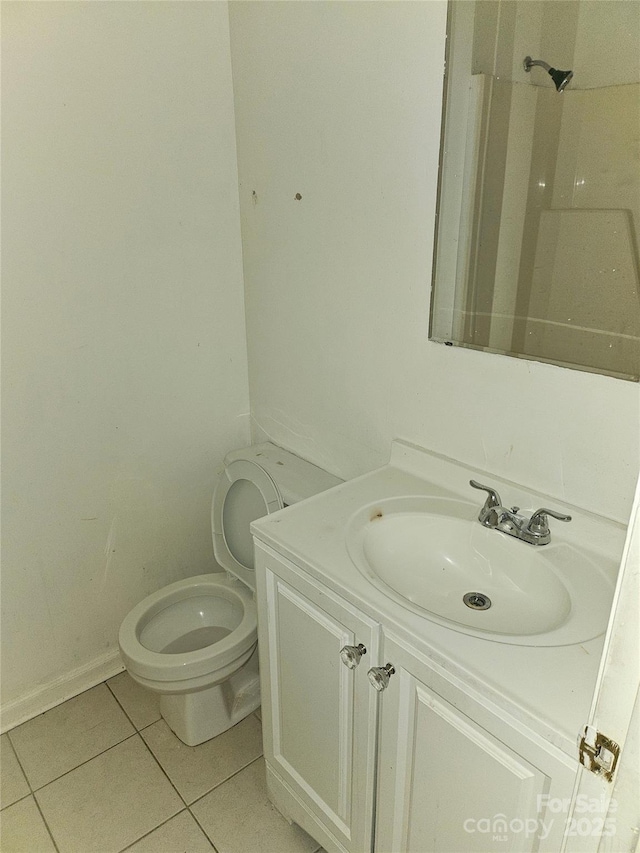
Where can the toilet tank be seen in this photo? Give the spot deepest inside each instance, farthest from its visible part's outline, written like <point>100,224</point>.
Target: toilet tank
<point>257,481</point>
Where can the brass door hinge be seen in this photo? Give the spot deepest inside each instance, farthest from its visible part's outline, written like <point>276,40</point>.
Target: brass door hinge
<point>598,753</point>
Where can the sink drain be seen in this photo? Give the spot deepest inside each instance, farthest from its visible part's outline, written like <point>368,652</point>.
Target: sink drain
<point>477,601</point>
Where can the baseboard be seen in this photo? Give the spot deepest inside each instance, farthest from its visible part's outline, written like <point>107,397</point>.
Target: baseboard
<point>59,690</point>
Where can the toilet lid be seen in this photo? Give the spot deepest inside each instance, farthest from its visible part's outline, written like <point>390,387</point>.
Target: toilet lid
<point>244,493</point>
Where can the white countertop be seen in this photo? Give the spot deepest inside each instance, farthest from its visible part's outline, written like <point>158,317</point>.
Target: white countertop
<point>545,689</point>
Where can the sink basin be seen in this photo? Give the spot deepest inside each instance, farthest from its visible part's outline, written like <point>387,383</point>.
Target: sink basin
<point>433,557</point>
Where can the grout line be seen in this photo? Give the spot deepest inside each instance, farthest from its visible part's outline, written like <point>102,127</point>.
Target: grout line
<point>138,729</point>
<point>13,749</point>
<point>46,824</point>
<point>82,763</point>
<point>31,793</point>
<point>136,732</point>
<point>120,705</point>
<point>15,802</point>
<point>216,786</point>
<point>40,787</point>
<point>226,779</point>
<point>163,771</point>
<point>148,726</point>
<point>206,834</point>
<point>316,849</point>
<point>129,846</point>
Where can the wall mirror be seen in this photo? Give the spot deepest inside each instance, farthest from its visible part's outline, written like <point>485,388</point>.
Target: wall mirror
<point>538,220</point>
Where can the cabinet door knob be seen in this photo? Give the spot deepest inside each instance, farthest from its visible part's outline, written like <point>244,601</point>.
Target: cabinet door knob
<point>350,655</point>
<point>379,676</point>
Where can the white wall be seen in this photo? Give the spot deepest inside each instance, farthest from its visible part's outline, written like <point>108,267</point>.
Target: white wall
<point>340,102</point>
<point>124,346</point>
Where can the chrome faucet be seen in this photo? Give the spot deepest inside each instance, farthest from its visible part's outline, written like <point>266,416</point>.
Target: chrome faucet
<point>534,530</point>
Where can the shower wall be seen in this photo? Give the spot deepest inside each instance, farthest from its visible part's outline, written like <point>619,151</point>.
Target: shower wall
<point>556,185</point>
<point>583,299</point>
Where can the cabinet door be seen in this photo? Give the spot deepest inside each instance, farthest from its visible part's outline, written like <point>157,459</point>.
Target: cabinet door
<point>319,716</point>
<point>447,784</point>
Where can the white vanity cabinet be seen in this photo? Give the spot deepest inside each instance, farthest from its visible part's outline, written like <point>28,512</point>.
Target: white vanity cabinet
<point>447,773</point>
<point>455,778</point>
<point>319,716</point>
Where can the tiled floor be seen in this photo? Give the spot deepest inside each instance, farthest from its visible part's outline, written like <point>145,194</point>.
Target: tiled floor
<point>103,773</point>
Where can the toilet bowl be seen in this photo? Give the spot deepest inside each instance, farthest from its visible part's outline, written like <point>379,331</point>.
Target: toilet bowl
<point>195,641</point>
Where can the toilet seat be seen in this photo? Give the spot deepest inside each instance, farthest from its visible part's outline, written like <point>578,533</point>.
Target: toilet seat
<point>233,544</point>
<point>222,593</point>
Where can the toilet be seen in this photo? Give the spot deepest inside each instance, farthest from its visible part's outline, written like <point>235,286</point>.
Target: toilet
<point>195,641</point>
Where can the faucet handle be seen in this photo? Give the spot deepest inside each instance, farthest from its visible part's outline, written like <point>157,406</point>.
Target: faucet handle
<point>538,523</point>
<point>493,498</point>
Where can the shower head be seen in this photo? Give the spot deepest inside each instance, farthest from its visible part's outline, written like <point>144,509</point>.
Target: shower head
<point>561,79</point>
